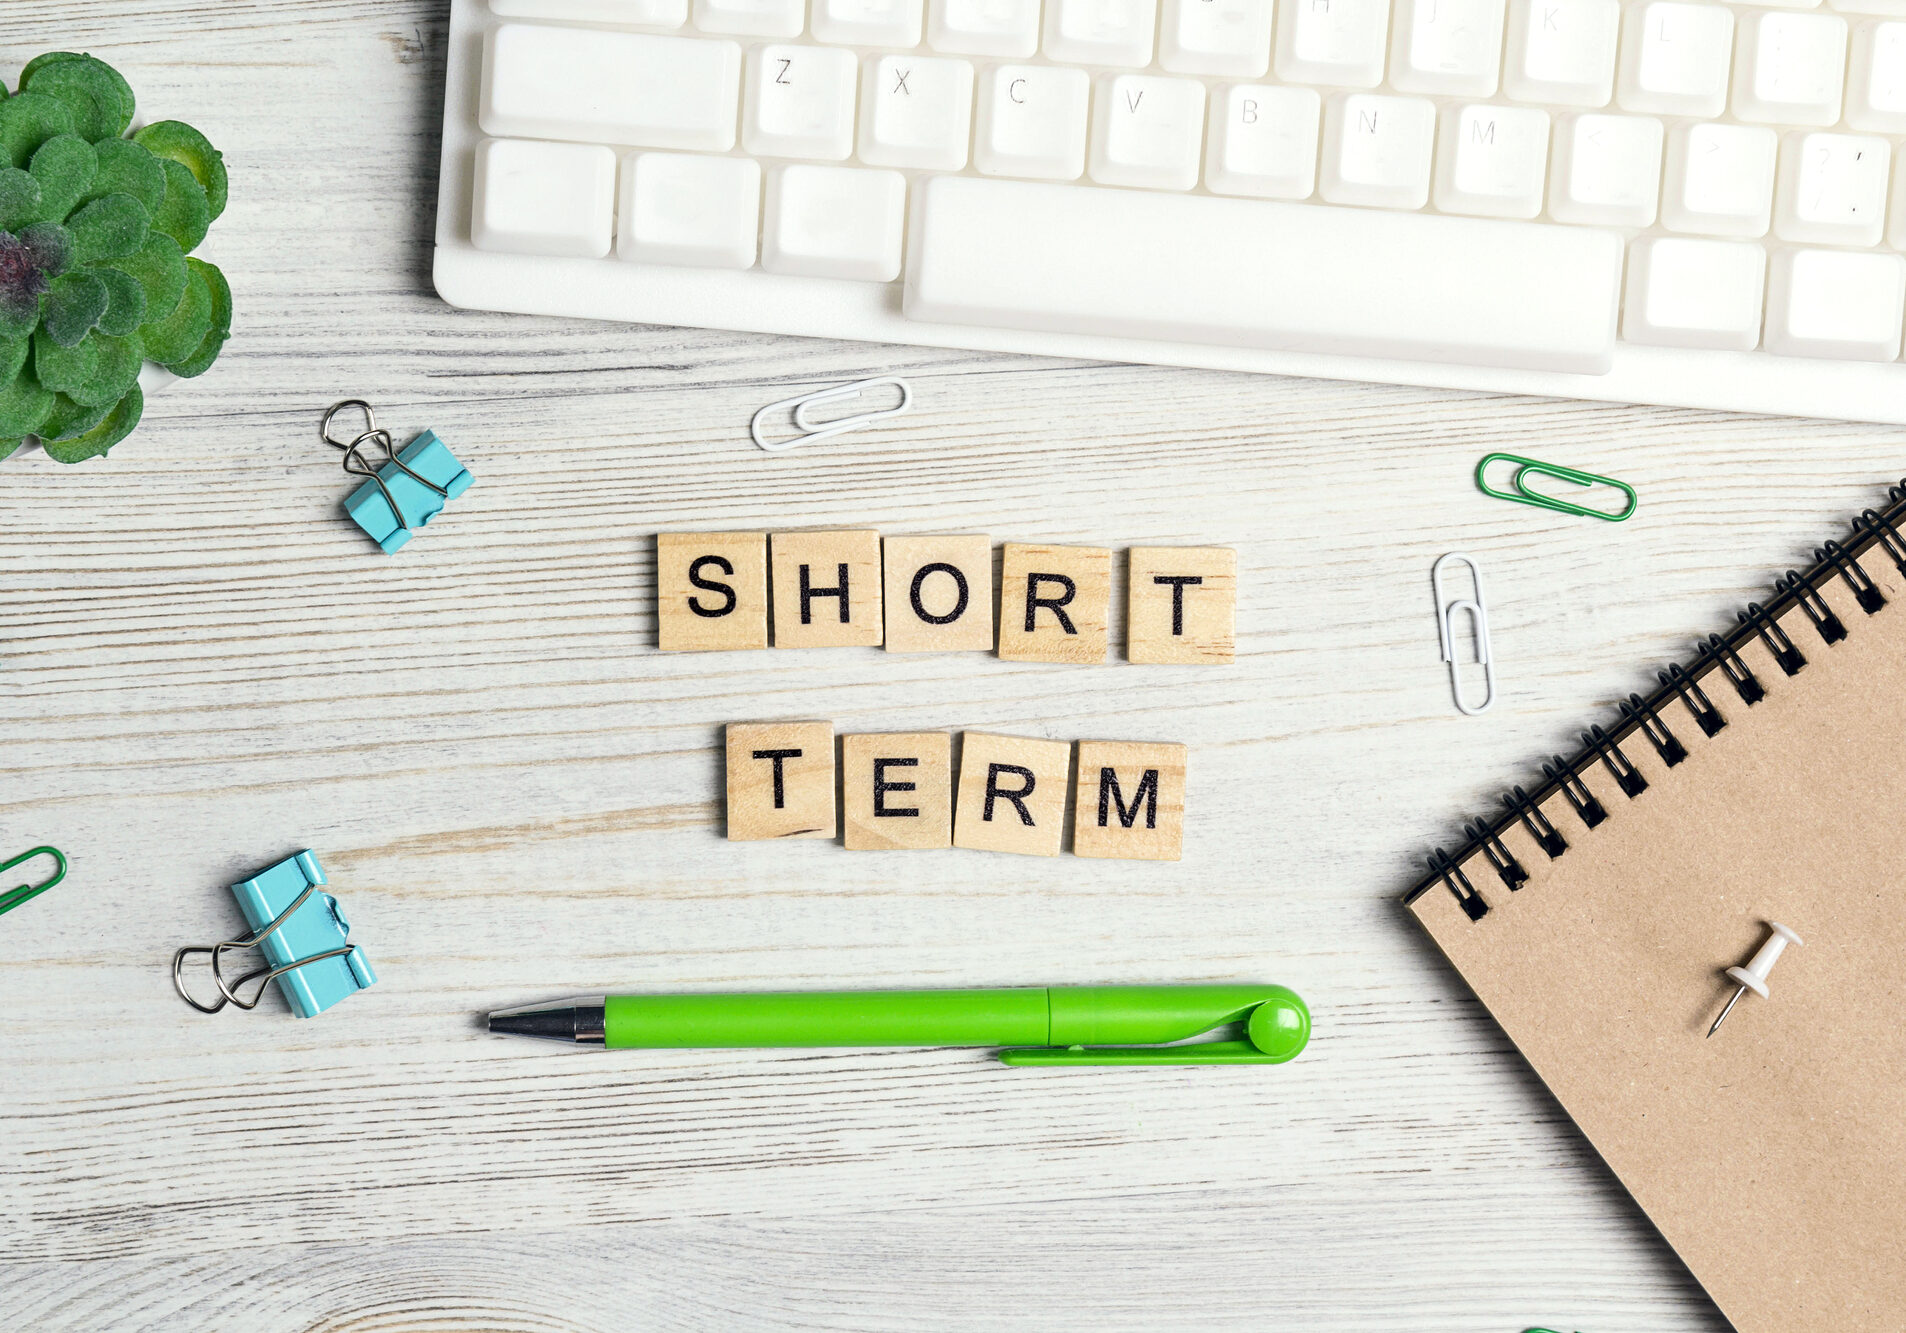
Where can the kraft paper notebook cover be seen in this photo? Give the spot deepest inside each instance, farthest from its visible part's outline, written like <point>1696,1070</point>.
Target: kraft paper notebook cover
<point>1595,915</point>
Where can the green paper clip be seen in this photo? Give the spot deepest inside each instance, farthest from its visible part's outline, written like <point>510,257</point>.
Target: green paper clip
<point>12,898</point>
<point>1523,495</point>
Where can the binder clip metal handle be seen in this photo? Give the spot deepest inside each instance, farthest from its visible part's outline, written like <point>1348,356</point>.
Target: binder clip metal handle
<point>358,466</point>
<point>802,404</point>
<point>264,976</point>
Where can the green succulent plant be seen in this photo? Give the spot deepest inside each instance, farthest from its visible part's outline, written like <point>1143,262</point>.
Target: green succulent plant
<point>95,279</point>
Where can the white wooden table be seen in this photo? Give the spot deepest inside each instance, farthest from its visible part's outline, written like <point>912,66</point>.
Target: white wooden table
<point>204,668</point>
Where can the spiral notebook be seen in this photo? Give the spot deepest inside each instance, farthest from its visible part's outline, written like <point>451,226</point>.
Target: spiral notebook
<point>1765,780</point>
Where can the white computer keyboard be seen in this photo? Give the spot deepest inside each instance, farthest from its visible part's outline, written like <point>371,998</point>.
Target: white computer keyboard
<point>1660,201</point>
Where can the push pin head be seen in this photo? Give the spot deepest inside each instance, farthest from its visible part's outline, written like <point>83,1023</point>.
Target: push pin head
<point>1754,976</point>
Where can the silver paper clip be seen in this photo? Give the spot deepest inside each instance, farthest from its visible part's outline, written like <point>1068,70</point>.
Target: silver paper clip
<point>803,404</point>
<point>1478,609</point>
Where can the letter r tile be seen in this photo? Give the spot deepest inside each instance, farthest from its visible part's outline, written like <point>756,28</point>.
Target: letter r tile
<point>1012,794</point>
<point>711,591</point>
<point>780,780</point>
<point>1054,602</point>
<point>1130,801</point>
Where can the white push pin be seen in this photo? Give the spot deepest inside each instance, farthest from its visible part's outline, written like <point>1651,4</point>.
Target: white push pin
<point>1754,976</point>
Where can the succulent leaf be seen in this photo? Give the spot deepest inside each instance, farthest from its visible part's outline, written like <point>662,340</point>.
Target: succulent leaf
<point>160,269</point>
<point>114,427</point>
<point>126,301</point>
<point>109,228</point>
<point>185,214</point>
<point>65,166</point>
<point>24,405</point>
<point>27,264</point>
<point>214,342</point>
<point>126,168</point>
<point>99,98</point>
<point>19,199</point>
<point>28,120</point>
<point>178,336</point>
<point>115,371</point>
<point>13,355</point>
<point>50,246</point>
<point>70,420</point>
<point>181,143</point>
<point>43,59</point>
<point>64,369</point>
<point>74,306</point>
<point>8,446</point>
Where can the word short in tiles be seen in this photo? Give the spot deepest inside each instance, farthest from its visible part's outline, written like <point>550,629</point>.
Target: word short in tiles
<point>922,594</point>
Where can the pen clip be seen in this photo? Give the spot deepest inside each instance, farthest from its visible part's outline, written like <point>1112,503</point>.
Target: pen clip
<point>1186,1053</point>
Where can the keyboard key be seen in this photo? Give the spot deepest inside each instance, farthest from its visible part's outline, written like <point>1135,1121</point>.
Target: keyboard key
<point>1446,46</point>
<point>1336,42</point>
<point>544,198</point>
<point>643,13</point>
<point>1719,179</point>
<point>683,208</point>
<point>1606,170</point>
<point>1831,188</point>
<point>834,222</point>
<point>1032,122</point>
<point>1835,303</point>
<point>610,87</point>
<point>1263,141</point>
<point>752,18</point>
<point>799,102</point>
<point>1876,79</point>
<point>1687,293</point>
<point>1884,7</point>
<point>868,22</point>
<point>984,27</point>
<point>1791,68</point>
<point>916,111</point>
<point>1561,51</point>
<point>1101,32</point>
<point>1257,273</point>
<point>1377,150</point>
<point>1147,131</point>
<point>1674,58</point>
<point>1493,161</point>
<point>1225,37</point>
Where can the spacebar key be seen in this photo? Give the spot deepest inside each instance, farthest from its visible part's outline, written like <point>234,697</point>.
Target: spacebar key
<point>1252,273</point>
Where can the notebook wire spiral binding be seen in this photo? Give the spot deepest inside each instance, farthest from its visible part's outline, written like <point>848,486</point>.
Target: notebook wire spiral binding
<point>1717,664</point>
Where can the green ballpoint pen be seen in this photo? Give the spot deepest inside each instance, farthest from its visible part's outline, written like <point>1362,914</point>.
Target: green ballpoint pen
<point>1058,1025</point>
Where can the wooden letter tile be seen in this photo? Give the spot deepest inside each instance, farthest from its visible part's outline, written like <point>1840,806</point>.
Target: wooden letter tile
<point>939,594</point>
<point>1182,605</point>
<point>780,780</point>
<point>1012,794</point>
<point>711,590</point>
<point>897,791</point>
<point>1131,801</point>
<point>1053,603</point>
<point>826,589</point>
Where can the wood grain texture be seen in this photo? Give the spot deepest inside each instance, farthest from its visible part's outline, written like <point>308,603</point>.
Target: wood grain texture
<point>204,667</point>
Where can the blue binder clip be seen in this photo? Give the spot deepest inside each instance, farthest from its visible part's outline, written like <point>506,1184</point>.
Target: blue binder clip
<point>405,491</point>
<point>305,943</point>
